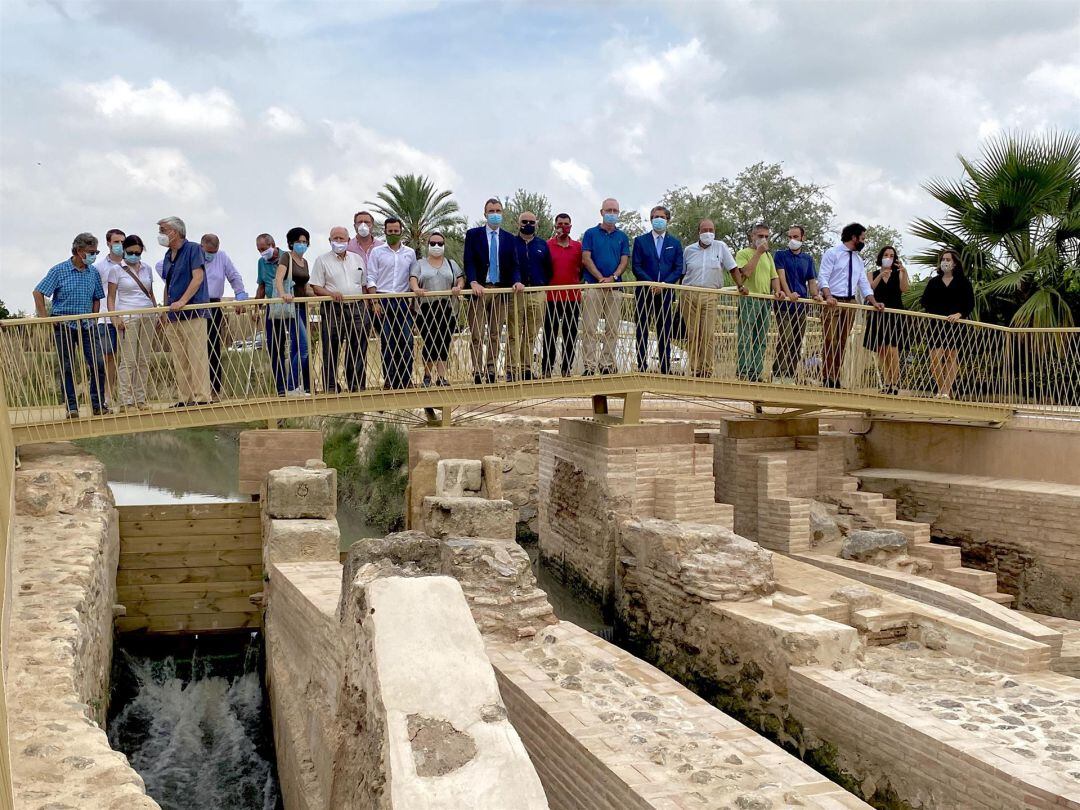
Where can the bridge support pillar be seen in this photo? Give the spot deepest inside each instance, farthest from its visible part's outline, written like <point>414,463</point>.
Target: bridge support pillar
<point>599,405</point>
<point>445,417</point>
<point>631,412</point>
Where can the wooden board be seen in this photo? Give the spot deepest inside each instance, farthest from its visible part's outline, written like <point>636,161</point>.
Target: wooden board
<point>191,559</point>
<point>188,623</point>
<point>193,542</point>
<point>192,511</point>
<point>130,594</point>
<point>210,573</point>
<point>211,604</point>
<point>265,450</point>
<point>184,528</point>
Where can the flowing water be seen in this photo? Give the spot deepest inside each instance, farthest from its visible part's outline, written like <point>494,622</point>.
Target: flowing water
<point>194,724</point>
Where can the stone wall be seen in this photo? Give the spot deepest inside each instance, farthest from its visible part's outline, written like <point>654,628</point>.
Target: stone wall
<point>1023,531</point>
<point>65,550</point>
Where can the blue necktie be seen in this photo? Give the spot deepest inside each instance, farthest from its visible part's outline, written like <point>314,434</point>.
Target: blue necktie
<point>493,259</point>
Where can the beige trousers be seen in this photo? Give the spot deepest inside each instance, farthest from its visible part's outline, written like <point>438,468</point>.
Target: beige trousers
<point>134,341</point>
<point>486,318</point>
<point>600,302</point>
<point>699,314</point>
<point>524,320</point>
<point>191,366</point>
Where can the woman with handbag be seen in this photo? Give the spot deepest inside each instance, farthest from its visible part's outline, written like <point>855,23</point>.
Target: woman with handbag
<point>287,322</point>
<point>131,286</point>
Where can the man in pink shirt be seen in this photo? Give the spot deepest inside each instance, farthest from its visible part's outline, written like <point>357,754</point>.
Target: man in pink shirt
<point>364,242</point>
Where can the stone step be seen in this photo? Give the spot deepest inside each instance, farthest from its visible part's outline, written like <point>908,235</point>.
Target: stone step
<point>970,579</point>
<point>943,557</point>
<point>1001,598</point>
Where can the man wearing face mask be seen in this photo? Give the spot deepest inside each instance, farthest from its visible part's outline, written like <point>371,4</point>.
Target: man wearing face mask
<point>657,256</point>
<point>842,279</point>
<point>365,240</point>
<point>110,261</point>
<point>388,272</point>
<point>705,262</point>
<point>605,253</point>
<point>754,273</point>
<point>527,310</point>
<point>219,267</point>
<point>339,273</point>
<point>184,272</point>
<point>281,337</point>
<point>491,264</point>
<point>795,267</point>
<point>75,288</point>
<point>563,306</point>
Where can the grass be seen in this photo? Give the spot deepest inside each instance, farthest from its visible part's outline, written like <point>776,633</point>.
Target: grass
<point>372,481</point>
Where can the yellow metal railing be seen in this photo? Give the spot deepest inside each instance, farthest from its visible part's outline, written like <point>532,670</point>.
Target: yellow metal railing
<point>267,359</point>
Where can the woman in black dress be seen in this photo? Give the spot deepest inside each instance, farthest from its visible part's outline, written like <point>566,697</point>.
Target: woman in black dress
<point>885,330</point>
<point>950,294</point>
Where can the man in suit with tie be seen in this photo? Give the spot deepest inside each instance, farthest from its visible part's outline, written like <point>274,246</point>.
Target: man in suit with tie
<point>490,265</point>
<point>657,256</point>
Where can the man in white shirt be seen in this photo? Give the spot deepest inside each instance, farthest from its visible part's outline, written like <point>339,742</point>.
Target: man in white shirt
<point>219,268</point>
<point>340,274</point>
<point>704,262</point>
<point>842,278</point>
<point>388,272</point>
<point>110,260</point>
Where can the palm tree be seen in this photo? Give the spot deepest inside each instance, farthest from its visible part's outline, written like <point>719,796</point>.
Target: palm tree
<point>1015,219</point>
<point>419,205</point>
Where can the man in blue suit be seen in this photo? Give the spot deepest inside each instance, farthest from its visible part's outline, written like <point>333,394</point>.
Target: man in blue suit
<point>491,265</point>
<point>657,256</point>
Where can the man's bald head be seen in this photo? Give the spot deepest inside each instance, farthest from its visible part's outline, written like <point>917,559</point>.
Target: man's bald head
<point>339,233</point>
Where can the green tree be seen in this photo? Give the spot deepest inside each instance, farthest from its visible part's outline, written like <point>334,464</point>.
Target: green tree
<point>632,224</point>
<point>877,237</point>
<point>1014,217</point>
<point>759,193</point>
<point>420,206</point>
<point>538,203</point>
<point>4,311</point>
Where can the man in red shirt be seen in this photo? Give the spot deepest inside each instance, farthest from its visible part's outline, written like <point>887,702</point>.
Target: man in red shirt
<point>563,306</point>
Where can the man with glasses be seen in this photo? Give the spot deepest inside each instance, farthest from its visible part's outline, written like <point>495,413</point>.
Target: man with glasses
<point>75,288</point>
<point>754,273</point>
<point>605,252</point>
<point>219,268</point>
<point>527,310</point>
<point>491,264</point>
<point>339,273</point>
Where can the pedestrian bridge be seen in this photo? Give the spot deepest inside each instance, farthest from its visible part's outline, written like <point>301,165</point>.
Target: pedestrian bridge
<point>367,355</point>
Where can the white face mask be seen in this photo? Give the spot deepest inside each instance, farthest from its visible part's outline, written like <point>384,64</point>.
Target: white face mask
<point>267,254</point>
<point>339,247</point>
<point>763,241</point>
<point>436,250</point>
<point>794,244</point>
<point>363,230</point>
<point>886,263</point>
<point>163,240</point>
<point>706,238</point>
<point>947,265</point>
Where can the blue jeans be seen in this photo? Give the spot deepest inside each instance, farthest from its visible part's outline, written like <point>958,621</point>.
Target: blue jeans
<point>396,343</point>
<point>287,338</point>
<point>86,335</point>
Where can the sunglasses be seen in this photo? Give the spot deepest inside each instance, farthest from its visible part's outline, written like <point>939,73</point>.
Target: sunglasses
<point>436,244</point>
<point>528,222</point>
<point>133,253</point>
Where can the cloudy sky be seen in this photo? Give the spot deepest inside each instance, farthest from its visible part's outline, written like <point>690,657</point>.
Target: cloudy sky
<point>248,115</point>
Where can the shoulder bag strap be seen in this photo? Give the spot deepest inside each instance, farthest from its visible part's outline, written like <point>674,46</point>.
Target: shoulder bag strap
<point>142,286</point>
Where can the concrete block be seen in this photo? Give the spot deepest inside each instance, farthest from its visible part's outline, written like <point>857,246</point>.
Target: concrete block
<point>304,540</point>
<point>457,476</point>
<point>302,492</point>
<point>469,517</point>
<point>421,484</point>
<point>493,477</point>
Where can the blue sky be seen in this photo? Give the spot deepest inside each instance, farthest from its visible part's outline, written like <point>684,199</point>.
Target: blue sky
<point>248,115</point>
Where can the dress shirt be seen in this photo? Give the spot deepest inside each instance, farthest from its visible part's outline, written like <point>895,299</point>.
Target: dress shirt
<point>219,268</point>
<point>388,270</point>
<point>492,235</point>
<point>343,275</point>
<point>833,276</point>
<point>354,246</point>
<point>658,243</point>
<point>704,267</point>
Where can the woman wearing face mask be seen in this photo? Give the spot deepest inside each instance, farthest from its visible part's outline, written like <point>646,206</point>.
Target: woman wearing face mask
<point>950,294</point>
<point>131,286</point>
<point>436,273</point>
<point>885,330</point>
<point>291,281</point>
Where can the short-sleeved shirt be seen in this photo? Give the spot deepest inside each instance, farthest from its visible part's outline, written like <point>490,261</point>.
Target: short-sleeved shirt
<point>266,274</point>
<point>128,294</point>
<point>798,269</point>
<point>760,280</point>
<point>704,267</point>
<point>606,249</point>
<point>565,269</point>
<point>436,279</point>
<point>105,266</point>
<point>345,275</point>
<point>178,273</point>
<point>73,291</point>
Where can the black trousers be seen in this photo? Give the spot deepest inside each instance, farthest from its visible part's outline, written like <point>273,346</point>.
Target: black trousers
<point>656,307</point>
<point>344,325</point>
<point>560,321</point>
<point>215,326</point>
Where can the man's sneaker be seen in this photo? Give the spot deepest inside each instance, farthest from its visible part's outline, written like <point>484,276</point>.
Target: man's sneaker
<point>72,414</point>
<point>491,377</point>
<point>102,411</point>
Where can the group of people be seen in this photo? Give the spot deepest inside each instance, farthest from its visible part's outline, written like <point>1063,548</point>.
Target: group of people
<point>502,270</point>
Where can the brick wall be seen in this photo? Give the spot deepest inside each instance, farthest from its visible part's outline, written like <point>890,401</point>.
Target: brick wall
<point>1024,531</point>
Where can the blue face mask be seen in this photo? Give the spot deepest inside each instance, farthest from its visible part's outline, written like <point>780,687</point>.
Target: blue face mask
<point>117,249</point>
<point>90,258</point>
<point>299,248</point>
<point>208,256</point>
<point>132,258</point>
<point>494,220</point>
<point>611,219</point>
<point>659,224</point>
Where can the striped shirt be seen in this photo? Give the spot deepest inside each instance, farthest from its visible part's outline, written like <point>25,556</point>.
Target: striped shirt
<point>73,291</point>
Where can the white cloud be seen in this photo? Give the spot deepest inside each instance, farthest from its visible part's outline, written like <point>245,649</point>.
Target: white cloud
<point>574,174</point>
<point>283,122</point>
<point>164,172</point>
<point>650,77</point>
<point>1063,79</point>
<point>160,106</point>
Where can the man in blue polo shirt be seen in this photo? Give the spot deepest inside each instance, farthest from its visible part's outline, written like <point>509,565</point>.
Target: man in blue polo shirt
<point>75,288</point>
<point>795,267</point>
<point>185,283</point>
<point>605,252</point>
